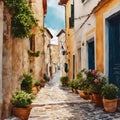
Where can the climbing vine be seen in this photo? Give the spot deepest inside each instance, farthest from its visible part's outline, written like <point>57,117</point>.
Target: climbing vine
<point>23,19</point>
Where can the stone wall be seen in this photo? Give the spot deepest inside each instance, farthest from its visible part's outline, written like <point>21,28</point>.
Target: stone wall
<point>7,64</point>
<point>1,43</point>
<point>55,57</point>
<point>15,57</point>
<point>15,62</point>
<point>39,62</point>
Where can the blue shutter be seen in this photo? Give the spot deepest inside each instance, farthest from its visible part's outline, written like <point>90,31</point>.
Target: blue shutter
<point>91,57</point>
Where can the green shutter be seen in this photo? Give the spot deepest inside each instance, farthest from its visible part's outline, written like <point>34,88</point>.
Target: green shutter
<point>71,19</point>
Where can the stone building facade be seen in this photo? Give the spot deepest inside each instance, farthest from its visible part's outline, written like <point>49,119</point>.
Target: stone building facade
<point>54,57</point>
<point>96,35</point>
<point>1,50</point>
<point>70,42</point>
<point>47,49</point>
<point>14,58</point>
<point>62,51</point>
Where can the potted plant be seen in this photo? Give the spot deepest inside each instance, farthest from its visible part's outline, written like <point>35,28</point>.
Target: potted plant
<point>95,82</point>
<point>83,84</point>
<point>64,80</point>
<point>110,94</point>
<point>37,84</point>
<point>21,102</point>
<point>27,81</point>
<point>96,89</point>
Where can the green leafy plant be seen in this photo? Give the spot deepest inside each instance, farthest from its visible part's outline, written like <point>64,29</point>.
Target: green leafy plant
<point>110,91</point>
<point>37,83</point>
<point>33,54</point>
<point>97,84</point>
<point>74,84</point>
<point>22,99</point>
<point>93,81</point>
<point>23,19</point>
<point>26,84</point>
<point>64,80</point>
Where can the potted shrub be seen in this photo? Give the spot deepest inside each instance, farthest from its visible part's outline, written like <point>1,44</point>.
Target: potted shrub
<point>64,80</point>
<point>21,102</point>
<point>37,84</point>
<point>27,82</point>
<point>95,82</point>
<point>83,84</point>
<point>110,94</point>
<point>43,82</point>
<point>96,89</point>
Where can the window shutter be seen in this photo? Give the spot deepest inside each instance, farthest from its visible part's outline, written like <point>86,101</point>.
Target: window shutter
<point>71,19</point>
<point>72,10</point>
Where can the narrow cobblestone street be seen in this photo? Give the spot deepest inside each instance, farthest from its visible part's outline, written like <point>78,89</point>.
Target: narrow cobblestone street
<point>56,103</point>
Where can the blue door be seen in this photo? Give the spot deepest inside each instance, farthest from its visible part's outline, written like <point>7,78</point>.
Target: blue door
<point>91,55</point>
<point>114,49</point>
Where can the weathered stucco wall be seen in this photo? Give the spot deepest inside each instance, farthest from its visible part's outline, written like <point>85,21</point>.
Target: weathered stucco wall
<point>70,42</point>
<point>47,52</point>
<point>1,46</point>
<point>15,57</point>
<point>15,62</point>
<point>7,63</point>
<point>39,62</point>
<point>87,31</point>
<point>54,54</point>
<point>62,43</point>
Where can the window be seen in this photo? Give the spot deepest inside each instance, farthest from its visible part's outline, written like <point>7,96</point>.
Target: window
<point>32,43</point>
<point>71,22</point>
<point>71,19</point>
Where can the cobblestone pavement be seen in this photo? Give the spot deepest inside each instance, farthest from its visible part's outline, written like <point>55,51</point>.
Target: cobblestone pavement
<point>54,102</point>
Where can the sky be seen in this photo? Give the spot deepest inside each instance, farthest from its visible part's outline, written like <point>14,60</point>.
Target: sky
<point>55,18</point>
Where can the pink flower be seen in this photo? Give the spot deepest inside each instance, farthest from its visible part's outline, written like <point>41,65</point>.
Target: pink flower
<point>93,71</point>
<point>96,81</point>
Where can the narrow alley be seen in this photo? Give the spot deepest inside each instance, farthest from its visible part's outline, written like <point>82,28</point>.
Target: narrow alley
<point>58,103</point>
<point>54,102</point>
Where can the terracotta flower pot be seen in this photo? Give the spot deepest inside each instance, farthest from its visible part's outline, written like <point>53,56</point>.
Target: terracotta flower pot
<point>118,105</point>
<point>22,113</point>
<point>84,94</point>
<point>38,88</point>
<point>110,105</point>
<point>75,91</point>
<point>34,91</point>
<point>98,99</point>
